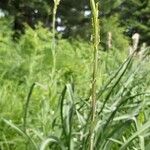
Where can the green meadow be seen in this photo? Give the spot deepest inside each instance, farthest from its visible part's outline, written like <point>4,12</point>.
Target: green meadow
<point>73,93</point>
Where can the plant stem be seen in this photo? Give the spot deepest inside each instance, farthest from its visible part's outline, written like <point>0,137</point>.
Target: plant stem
<point>53,40</point>
<point>96,39</point>
<point>56,3</point>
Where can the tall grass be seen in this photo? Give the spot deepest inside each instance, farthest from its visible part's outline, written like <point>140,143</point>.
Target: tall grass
<point>39,111</point>
<point>96,33</point>
<point>56,3</point>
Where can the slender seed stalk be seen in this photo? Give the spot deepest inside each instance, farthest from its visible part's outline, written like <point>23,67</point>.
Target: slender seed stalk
<point>96,40</point>
<point>56,3</point>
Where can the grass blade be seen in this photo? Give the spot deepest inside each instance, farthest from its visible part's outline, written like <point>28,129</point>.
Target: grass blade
<point>49,140</point>
<point>27,106</point>
<point>141,130</point>
<point>22,133</point>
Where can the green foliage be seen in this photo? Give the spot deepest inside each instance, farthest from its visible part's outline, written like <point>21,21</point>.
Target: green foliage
<point>133,15</point>
<point>139,20</point>
<point>119,40</point>
<point>41,111</point>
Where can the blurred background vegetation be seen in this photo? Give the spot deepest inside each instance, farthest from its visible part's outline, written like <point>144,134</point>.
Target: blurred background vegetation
<point>73,17</point>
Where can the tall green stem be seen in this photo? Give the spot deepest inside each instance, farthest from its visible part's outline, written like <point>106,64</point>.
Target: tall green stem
<point>96,40</point>
<point>56,3</point>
